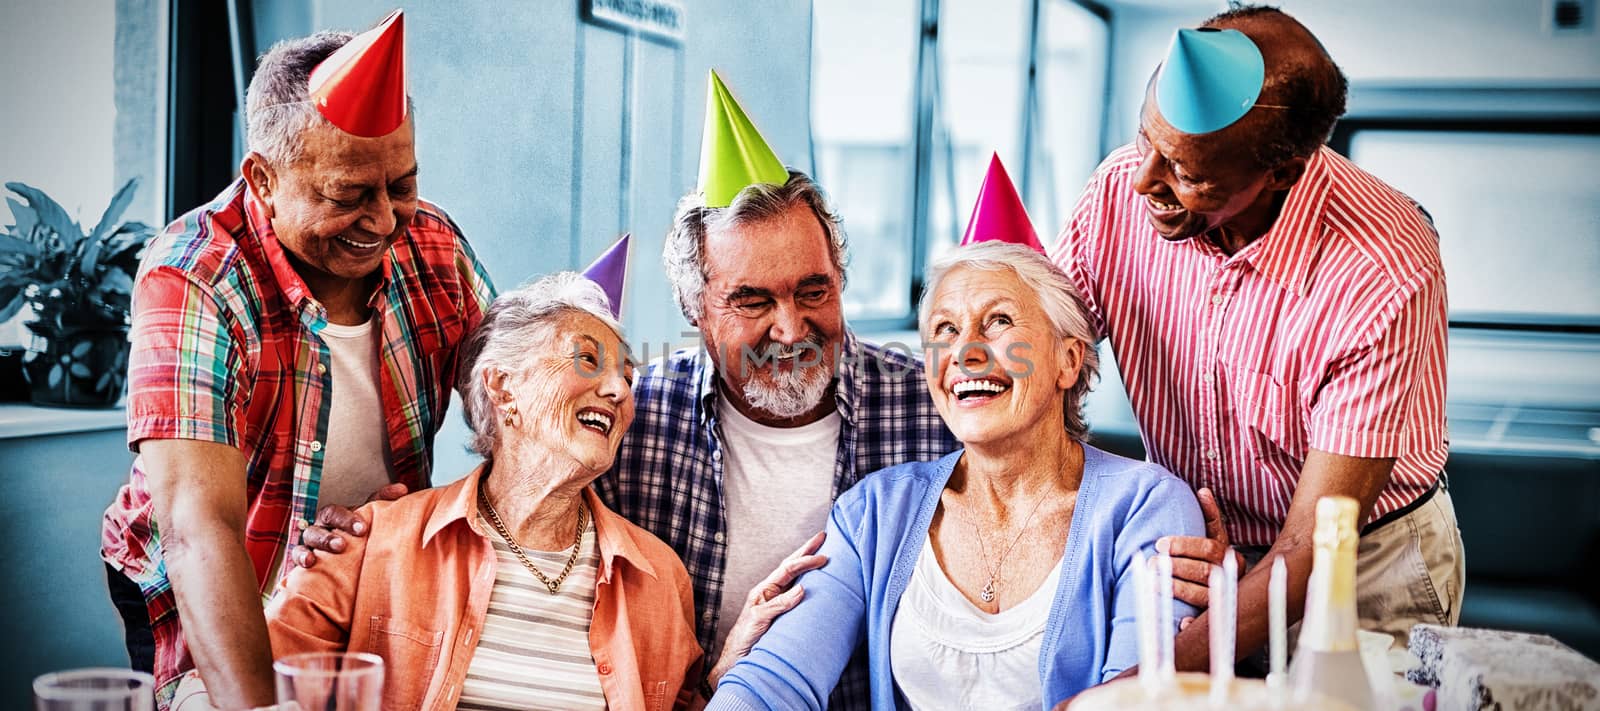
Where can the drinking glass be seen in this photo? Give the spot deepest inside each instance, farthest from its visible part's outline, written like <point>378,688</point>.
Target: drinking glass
<point>336,681</point>
<point>104,689</point>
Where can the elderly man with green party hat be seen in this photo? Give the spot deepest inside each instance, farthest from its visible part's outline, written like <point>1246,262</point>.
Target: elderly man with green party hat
<point>740,447</point>
<point>1278,315</point>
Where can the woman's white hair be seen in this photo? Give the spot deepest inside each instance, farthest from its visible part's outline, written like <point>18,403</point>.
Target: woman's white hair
<point>1057,296</point>
<point>517,323</point>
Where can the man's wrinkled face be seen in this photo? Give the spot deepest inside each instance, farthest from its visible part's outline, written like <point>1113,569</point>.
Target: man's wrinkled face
<point>772,315</point>
<point>345,201</point>
<point>1194,183</point>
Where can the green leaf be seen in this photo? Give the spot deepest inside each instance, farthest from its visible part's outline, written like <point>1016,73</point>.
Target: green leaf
<point>11,301</point>
<point>25,216</point>
<point>103,228</point>
<point>51,214</point>
<point>13,245</point>
<point>117,281</point>
<point>114,209</point>
<point>54,378</point>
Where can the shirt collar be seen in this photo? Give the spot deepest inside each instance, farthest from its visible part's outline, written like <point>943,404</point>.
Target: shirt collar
<point>1289,249</point>
<point>847,377</point>
<point>294,288</point>
<point>459,503</point>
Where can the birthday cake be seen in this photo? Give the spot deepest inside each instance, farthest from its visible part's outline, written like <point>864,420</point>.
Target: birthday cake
<point>1192,690</point>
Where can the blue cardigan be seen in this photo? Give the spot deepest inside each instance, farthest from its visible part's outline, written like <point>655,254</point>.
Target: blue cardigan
<point>875,533</point>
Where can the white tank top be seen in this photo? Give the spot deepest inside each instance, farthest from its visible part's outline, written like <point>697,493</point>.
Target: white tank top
<point>355,454</point>
<point>946,653</point>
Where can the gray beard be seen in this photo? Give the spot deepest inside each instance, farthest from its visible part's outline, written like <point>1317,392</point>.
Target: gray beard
<point>791,393</point>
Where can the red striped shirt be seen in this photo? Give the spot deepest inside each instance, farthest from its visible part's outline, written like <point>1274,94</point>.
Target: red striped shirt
<point>1328,333</point>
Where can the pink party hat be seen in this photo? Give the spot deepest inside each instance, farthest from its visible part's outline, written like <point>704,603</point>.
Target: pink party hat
<point>999,215</point>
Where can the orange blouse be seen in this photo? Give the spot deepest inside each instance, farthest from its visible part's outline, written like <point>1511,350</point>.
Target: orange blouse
<point>415,591</point>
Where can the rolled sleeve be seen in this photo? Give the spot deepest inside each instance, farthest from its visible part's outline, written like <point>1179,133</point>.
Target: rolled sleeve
<point>186,376</point>
<point>312,610</point>
<point>1386,399</point>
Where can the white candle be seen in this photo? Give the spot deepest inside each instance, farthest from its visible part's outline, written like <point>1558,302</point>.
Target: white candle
<point>1224,616</point>
<point>1169,670</point>
<point>1278,617</point>
<point>1145,608</point>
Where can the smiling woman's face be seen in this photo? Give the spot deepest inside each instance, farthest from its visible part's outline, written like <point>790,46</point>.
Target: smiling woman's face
<point>995,367</point>
<point>574,398</point>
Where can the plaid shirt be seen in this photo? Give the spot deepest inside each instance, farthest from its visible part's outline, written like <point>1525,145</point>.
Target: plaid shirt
<point>668,474</point>
<point>225,348</point>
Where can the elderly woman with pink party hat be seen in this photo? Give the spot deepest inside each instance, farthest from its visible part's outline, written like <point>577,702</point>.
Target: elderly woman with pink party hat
<point>1000,575</point>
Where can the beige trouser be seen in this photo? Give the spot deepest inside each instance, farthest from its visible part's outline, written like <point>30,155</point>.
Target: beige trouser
<point>1409,571</point>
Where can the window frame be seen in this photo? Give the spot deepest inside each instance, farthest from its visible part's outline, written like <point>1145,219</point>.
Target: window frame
<point>1440,109</point>
<point>211,57</point>
<point>924,129</point>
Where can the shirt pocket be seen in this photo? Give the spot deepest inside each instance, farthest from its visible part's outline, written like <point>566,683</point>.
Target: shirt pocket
<point>655,696</point>
<point>1270,414</point>
<point>410,655</point>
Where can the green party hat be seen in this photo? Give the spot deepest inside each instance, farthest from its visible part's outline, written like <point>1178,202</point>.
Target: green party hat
<point>733,154</point>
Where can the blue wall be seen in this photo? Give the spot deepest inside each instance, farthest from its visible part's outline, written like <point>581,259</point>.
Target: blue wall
<point>544,136</point>
<point>57,612</point>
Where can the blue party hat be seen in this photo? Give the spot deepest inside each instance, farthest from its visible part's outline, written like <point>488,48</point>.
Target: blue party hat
<point>1210,79</point>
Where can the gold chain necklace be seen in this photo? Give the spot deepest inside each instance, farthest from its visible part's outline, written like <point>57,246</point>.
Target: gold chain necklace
<point>500,527</point>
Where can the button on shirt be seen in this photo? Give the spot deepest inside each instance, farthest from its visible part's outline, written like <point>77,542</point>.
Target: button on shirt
<point>417,591</point>
<point>226,348</point>
<point>1326,333</point>
<point>669,468</point>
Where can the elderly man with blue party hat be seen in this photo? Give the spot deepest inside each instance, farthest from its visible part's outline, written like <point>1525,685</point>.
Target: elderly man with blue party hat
<point>1278,316</point>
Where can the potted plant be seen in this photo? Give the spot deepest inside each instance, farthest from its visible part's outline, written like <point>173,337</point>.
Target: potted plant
<point>80,286</point>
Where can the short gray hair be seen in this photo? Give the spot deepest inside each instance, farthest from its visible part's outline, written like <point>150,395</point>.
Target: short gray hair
<point>278,108</point>
<point>684,254</point>
<point>1057,296</point>
<point>517,322</point>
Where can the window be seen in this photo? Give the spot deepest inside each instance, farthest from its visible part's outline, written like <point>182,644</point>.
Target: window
<point>863,81</point>
<point>1512,208</point>
<point>941,84</point>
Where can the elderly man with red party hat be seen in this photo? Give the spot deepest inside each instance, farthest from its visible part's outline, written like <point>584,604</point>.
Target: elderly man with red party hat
<point>294,345</point>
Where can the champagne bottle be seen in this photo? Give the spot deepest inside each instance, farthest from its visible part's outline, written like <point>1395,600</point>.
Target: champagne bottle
<point>1328,660</point>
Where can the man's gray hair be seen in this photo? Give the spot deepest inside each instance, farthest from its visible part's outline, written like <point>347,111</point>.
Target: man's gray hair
<point>278,108</point>
<point>1057,296</point>
<point>684,254</point>
<point>517,323</point>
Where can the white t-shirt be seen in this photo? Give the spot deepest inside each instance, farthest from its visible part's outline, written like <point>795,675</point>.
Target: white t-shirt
<point>355,454</point>
<point>777,489</point>
<point>946,653</point>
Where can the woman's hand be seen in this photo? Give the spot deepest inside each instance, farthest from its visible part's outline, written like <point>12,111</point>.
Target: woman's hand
<point>767,600</point>
<point>333,519</point>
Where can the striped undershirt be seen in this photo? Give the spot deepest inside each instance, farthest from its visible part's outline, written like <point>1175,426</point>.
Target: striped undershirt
<point>534,651</point>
